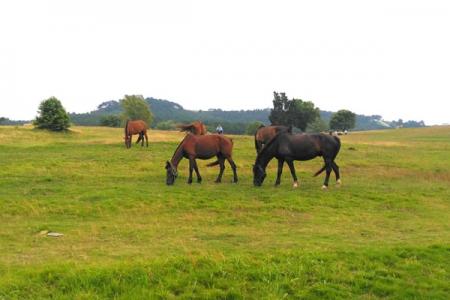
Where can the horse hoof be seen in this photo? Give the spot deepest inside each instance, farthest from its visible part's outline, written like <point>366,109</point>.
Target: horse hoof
<point>189,182</point>
<point>324,187</point>
<point>338,182</point>
<point>295,185</point>
<point>218,181</point>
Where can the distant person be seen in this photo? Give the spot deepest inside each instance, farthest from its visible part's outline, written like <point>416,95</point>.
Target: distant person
<point>219,129</point>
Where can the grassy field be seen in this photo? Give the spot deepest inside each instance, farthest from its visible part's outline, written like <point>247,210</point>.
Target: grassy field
<point>384,234</point>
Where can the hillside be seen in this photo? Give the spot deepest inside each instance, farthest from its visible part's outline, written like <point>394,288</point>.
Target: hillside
<point>166,110</point>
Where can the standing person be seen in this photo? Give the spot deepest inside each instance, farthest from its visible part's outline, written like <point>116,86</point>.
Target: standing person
<point>219,129</point>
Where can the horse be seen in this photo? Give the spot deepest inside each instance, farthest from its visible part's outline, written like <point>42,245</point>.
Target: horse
<point>287,147</point>
<point>135,127</point>
<point>196,127</point>
<point>265,133</point>
<point>201,147</point>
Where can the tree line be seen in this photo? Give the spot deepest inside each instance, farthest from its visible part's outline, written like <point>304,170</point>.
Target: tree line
<point>302,115</point>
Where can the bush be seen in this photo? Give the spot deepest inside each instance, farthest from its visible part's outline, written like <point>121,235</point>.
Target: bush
<point>52,116</point>
<point>111,121</point>
<point>166,125</point>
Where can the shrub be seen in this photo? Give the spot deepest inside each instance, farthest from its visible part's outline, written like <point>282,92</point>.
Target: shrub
<point>52,116</point>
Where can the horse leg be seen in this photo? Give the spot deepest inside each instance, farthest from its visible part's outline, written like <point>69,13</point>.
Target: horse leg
<point>233,167</point>
<point>222,168</point>
<point>280,170</point>
<point>146,138</point>
<point>139,138</point>
<point>130,140</point>
<point>291,167</point>
<point>191,168</point>
<point>199,178</point>
<point>336,172</point>
<point>328,168</point>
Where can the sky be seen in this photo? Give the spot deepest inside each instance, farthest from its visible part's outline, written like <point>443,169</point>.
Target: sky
<point>390,58</point>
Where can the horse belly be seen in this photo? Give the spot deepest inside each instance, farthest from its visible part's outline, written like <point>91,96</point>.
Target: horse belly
<point>205,152</point>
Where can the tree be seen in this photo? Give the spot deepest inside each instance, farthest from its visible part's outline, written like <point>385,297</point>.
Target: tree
<point>343,120</point>
<point>135,108</point>
<point>252,127</point>
<point>295,112</point>
<point>52,116</point>
<point>110,121</point>
<point>319,125</point>
<point>3,120</point>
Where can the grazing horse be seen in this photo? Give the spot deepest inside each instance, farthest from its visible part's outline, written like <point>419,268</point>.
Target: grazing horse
<point>201,147</point>
<point>287,147</point>
<point>196,127</point>
<point>265,133</point>
<point>135,127</point>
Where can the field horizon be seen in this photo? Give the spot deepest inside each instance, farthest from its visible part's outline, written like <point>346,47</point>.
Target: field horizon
<point>385,233</point>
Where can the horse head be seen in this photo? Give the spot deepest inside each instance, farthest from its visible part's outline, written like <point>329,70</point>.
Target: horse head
<point>259,174</point>
<point>172,173</point>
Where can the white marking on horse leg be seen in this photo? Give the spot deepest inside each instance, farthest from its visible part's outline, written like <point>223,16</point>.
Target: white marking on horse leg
<point>324,187</point>
<point>295,185</point>
<point>338,182</point>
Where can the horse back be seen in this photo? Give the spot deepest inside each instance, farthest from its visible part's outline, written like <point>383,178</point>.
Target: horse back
<point>134,127</point>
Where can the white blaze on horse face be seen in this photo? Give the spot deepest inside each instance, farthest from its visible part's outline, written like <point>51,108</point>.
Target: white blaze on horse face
<point>295,185</point>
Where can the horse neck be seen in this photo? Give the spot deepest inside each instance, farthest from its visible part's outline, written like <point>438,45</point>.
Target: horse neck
<point>266,155</point>
<point>178,154</point>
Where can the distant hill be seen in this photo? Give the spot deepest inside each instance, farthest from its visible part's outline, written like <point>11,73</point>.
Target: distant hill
<point>233,121</point>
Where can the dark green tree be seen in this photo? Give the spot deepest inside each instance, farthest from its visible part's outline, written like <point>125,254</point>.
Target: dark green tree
<point>319,125</point>
<point>295,112</point>
<point>111,121</point>
<point>134,107</point>
<point>279,112</point>
<point>52,116</point>
<point>343,120</point>
<point>252,127</point>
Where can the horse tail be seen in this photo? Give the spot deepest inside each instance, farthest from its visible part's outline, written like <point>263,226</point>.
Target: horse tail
<point>183,127</point>
<point>256,139</point>
<point>320,171</point>
<point>338,141</point>
<point>213,164</point>
<point>126,128</point>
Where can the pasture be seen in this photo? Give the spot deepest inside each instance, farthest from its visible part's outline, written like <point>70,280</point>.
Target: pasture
<point>385,233</point>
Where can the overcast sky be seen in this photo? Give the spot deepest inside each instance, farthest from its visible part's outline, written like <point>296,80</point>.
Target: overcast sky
<point>390,58</point>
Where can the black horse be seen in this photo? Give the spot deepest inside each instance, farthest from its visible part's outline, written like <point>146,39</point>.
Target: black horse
<point>287,147</point>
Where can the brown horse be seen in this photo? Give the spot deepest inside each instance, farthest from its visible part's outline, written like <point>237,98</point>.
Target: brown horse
<point>196,127</point>
<point>265,133</point>
<point>135,127</point>
<point>201,147</point>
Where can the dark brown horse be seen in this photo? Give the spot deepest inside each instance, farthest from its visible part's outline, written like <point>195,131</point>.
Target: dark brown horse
<point>135,127</point>
<point>287,147</point>
<point>196,127</point>
<point>265,133</point>
<point>201,147</point>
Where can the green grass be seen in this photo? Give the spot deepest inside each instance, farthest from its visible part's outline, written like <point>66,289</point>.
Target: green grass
<point>384,233</point>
